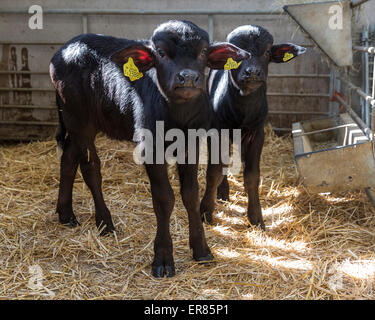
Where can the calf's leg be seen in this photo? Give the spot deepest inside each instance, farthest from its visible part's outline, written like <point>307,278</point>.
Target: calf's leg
<point>214,176</point>
<point>190,198</point>
<point>223,189</point>
<point>163,202</point>
<point>252,152</point>
<point>90,168</point>
<point>68,168</point>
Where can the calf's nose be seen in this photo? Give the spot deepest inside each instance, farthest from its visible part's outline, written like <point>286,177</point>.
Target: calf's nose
<point>252,73</point>
<point>188,77</point>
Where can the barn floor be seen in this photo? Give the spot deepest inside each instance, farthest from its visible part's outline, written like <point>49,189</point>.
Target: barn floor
<point>315,246</point>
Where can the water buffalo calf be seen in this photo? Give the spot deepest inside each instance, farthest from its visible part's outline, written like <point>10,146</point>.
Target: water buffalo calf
<point>239,101</point>
<point>94,95</point>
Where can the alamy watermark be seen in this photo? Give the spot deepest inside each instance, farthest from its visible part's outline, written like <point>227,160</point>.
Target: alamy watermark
<point>335,22</point>
<point>36,281</point>
<point>174,146</point>
<point>36,20</point>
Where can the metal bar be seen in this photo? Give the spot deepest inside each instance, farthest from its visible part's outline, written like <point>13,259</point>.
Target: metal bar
<point>370,196</point>
<point>367,98</point>
<point>311,75</point>
<point>372,111</point>
<point>24,72</point>
<point>20,139</point>
<point>357,119</point>
<point>365,69</point>
<point>211,27</point>
<point>26,89</point>
<point>28,123</point>
<point>292,75</point>
<point>147,12</point>
<point>26,106</point>
<point>84,23</point>
<point>365,49</point>
<point>331,89</point>
<point>273,94</point>
<point>338,89</point>
<point>298,112</point>
<point>33,43</point>
<point>366,73</point>
<point>356,3</point>
<point>13,106</point>
<point>326,129</point>
<point>61,43</point>
<point>301,95</point>
<point>282,129</point>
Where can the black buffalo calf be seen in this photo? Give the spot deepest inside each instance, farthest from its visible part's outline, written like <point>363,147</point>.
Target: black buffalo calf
<point>119,87</point>
<point>239,101</point>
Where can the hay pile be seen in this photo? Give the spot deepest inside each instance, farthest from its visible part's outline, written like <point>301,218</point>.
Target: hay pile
<point>315,246</point>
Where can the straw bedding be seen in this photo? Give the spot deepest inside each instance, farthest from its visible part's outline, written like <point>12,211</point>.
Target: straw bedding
<point>315,246</point>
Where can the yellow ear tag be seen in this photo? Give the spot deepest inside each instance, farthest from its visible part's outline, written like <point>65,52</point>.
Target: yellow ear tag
<point>131,71</point>
<point>288,56</point>
<point>231,64</point>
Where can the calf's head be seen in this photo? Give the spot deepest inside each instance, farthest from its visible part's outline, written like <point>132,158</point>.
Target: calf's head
<point>180,51</point>
<point>252,73</point>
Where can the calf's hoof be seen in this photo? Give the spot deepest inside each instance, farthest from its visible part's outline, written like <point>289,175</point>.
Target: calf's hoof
<point>206,213</point>
<point>207,217</point>
<point>204,259</point>
<point>105,228</point>
<point>159,271</point>
<point>222,195</point>
<point>257,223</point>
<point>70,221</point>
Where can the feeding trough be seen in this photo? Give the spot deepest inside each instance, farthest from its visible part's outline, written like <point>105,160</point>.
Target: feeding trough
<point>333,154</point>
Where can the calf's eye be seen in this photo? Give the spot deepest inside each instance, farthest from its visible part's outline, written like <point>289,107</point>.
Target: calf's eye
<point>160,52</point>
<point>204,52</point>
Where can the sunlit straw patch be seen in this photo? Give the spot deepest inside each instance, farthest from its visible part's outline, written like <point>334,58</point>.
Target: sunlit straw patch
<point>282,262</point>
<point>225,231</point>
<point>227,253</point>
<point>360,269</point>
<point>278,210</point>
<point>265,241</point>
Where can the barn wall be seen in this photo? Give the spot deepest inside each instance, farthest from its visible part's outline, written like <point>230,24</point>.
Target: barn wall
<point>290,99</point>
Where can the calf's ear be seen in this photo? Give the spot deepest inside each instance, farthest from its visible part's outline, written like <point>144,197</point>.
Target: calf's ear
<point>141,55</point>
<point>285,52</point>
<point>219,53</point>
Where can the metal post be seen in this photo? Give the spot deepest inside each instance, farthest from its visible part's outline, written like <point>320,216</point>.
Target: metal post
<point>372,109</point>
<point>370,196</point>
<point>365,74</point>
<point>338,89</point>
<point>331,90</point>
<point>356,3</point>
<point>358,90</point>
<point>84,23</point>
<point>211,27</point>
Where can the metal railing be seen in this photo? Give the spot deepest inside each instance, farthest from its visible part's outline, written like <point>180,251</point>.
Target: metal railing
<point>367,125</point>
